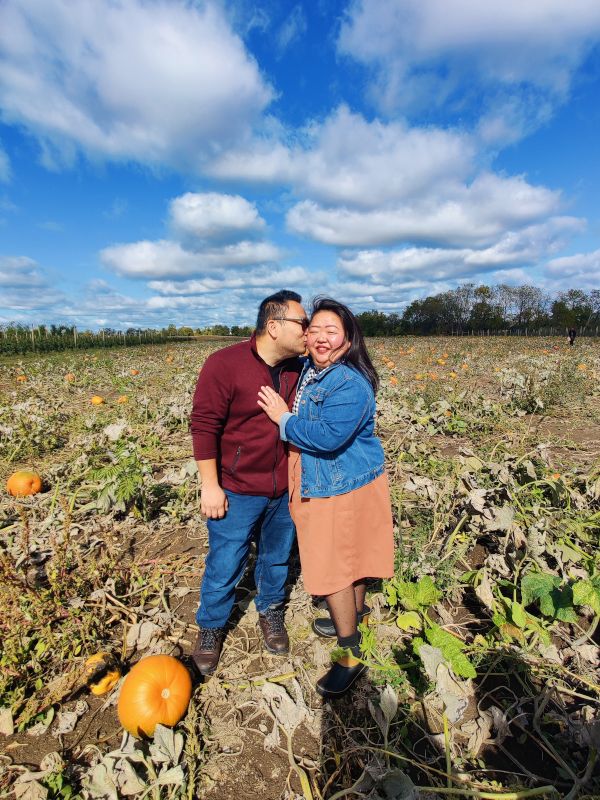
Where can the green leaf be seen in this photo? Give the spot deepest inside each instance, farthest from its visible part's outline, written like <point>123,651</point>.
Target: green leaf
<point>391,593</point>
<point>417,642</point>
<point>427,594</point>
<point>587,593</point>
<point>547,606</point>
<point>535,585</point>
<point>451,648</point>
<point>414,596</point>
<point>408,620</point>
<point>462,667</point>
<point>407,595</point>
<point>518,615</point>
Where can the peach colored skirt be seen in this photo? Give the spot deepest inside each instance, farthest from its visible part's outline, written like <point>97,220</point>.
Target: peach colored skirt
<point>344,538</point>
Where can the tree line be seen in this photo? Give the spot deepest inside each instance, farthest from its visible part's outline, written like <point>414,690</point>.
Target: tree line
<point>494,309</point>
<point>466,309</point>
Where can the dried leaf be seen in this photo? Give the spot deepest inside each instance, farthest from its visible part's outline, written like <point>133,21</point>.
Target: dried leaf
<point>143,634</point>
<point>484,590</point>
<point>31,790</point>
<point>167,745</point>
<point>286,711</point>
<point>100,783</point>
<point>65,723</point>
<point>388,702</point>
<point>7,727</point>
<point>477,499</point>
<point>174,775</point>
<point>501,519</point>
<point>128,781</point>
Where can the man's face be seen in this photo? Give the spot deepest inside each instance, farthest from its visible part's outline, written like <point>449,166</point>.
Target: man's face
<point>291,339</point>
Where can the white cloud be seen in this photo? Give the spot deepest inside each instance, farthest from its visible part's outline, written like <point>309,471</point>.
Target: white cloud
<point>166,258</point>
<point>347,159</point>
<point>580,270</point>
<point>212,216</point>
<point>257,278</point>
<point>25,288</point>
<point>475,214</point>
<point>20,271</point>
<point>425,53</point>
<point>418,264</point>
<point>580,263</point>
<point>161,82</point>
<point>293,28</point>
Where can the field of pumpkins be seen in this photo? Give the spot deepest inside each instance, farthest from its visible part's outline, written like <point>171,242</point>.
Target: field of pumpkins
<point>483,650</point>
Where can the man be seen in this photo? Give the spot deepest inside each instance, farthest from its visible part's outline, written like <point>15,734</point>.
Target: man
<point>243,470</point>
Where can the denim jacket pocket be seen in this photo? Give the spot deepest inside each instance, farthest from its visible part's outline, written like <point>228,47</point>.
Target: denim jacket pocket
<point>315,398</point>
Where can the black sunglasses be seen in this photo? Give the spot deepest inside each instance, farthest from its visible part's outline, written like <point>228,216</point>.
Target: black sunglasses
<point>300,320</point>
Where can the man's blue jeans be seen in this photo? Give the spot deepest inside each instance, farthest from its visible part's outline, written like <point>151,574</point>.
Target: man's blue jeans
<point>229,543</point>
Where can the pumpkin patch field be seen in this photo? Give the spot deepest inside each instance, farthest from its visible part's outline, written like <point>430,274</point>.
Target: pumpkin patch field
<point>483,650</point>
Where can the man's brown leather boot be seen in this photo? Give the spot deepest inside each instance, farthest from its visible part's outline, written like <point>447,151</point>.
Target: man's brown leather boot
<point>208,649</point>
<point>273,630</point>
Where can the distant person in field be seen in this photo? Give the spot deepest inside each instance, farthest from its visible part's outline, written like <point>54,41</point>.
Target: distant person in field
<point>339,494</point>
<point>572,333</point>
<point>244,474</point>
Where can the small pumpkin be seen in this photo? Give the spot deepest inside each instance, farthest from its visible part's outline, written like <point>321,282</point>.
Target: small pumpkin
<point>23,483</point>
<point>156,691</point>
<point>21,378</point>
<point>102,673</point>
<point>70,377</point>
<point>122,398</point>
<point>96,400</point>
<point>134,372</point>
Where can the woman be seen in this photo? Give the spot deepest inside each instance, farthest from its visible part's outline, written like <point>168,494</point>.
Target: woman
<point>339,495</point>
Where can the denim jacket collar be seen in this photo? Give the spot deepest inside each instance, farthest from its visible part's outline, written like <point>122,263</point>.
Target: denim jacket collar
<point>321,373</point>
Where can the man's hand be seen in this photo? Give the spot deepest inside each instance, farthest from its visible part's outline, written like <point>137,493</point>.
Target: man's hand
<point>213,501</point>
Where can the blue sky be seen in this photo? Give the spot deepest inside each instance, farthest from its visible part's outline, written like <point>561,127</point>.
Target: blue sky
<point>166,161</point>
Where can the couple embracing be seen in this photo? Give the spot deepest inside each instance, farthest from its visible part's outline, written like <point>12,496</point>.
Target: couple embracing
<point>286,444</point>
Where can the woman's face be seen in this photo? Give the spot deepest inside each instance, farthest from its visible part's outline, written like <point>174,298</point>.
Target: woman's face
<point>326,338</point>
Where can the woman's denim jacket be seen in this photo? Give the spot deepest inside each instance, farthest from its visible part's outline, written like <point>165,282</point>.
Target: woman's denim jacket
<point>334,429</point>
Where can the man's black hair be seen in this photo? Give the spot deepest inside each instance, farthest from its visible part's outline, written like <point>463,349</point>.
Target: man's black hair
<point>273,307</point>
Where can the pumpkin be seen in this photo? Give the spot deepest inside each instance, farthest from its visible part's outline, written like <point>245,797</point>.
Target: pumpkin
<point>69,377</point>
<point>134,372</point>
<point>96,400</point>
<point>122,398</point>
<point>23,483</point>
<point>102,673</point>
<point>21,378</point>
<point>156,691</point>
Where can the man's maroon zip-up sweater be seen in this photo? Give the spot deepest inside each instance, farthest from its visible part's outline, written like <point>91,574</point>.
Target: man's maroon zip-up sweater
<point>228,424</point>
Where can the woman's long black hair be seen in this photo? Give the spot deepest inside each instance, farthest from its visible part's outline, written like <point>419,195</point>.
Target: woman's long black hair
<point>357,355</point>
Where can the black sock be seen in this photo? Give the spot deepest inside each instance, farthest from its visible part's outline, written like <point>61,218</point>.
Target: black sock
<point>352,642</point>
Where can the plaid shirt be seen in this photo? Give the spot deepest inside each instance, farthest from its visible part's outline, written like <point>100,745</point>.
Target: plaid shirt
<point>310,376</point>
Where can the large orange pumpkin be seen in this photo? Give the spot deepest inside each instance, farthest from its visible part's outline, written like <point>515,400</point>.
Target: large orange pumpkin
<point>96,400</point>
<point>156,691</point>
<point>23,483</point>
